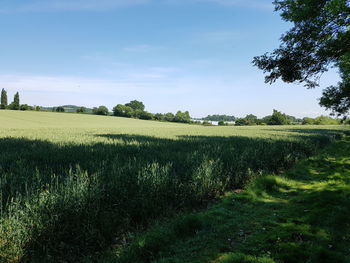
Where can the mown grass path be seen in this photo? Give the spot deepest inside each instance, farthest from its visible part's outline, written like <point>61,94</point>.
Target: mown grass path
<point>300,216</point>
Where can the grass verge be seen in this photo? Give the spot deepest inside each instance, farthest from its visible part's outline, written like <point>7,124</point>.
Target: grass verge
<point>300,216</point>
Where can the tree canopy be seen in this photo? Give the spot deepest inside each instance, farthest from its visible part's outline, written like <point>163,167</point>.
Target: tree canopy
<point>136,105</point>
<point>319,39</point>
<point>3,103</point>
<point>15,105</point>
<point>101,110</point>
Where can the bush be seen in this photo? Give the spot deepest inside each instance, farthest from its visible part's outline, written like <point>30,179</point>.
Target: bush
<point>81,110</point>
<point>123,111</point>
<point>101,110</point>
<point>26,107</point>
<point>59,109</point>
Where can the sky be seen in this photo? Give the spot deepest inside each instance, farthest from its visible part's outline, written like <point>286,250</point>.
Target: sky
<point>173,55</point>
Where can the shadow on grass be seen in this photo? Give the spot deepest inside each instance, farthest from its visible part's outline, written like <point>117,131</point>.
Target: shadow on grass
<point>60,202</point>
<point>300,217</point>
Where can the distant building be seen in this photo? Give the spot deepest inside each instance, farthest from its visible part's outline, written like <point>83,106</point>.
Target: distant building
<point>230,122</point>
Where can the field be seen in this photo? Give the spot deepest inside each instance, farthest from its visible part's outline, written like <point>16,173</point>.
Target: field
<point>72,185</point>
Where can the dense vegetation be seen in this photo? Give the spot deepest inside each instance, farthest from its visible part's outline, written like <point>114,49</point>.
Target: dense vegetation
<point>74,184</point>
<point>299,216</point>
<point>318,40</point>
<point>219,117</point>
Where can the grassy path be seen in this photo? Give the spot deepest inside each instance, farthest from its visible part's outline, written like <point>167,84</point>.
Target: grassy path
<point>301,216</point>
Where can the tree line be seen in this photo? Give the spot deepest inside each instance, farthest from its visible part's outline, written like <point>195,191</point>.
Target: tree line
<point>14,105</point>
<point>277,118</point>
<point>136,109</point>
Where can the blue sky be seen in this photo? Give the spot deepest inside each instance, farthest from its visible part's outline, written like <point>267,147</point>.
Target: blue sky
<point>171,54</point>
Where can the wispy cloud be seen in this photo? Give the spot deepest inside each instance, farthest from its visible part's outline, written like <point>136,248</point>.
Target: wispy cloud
<point>70,5</point>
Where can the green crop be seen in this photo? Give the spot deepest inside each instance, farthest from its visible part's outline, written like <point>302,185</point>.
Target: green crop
<point>71,185</point>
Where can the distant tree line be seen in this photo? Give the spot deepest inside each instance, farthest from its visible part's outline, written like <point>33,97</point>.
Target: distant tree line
<point>218,117</point>
<point>136,109</point>
<point>279,118</point>
<point>14,105</point>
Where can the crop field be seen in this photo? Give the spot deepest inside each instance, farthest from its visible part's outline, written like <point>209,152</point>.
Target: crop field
<point>72,185</point>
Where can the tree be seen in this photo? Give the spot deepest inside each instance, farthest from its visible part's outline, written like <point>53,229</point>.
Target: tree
<point>337,98</point>
<point>169,116</point>
<point>251,119</point>
<point>136,105</point>
<point>15,104</point>
<point>159,116</point>
<point>3,103</point>
<point>308,121</point>
<point>278,118</point>
<point>101,110</point>
<point>319,39</point>
<point>59,109</point>
<point>321,120</point>
<point>144,115</point>
<point>241,122</point>
<point>123,111</point>
<point>183,117</point>
<point>81,110</point>
<point>218,117</point>
<point>26,107</point>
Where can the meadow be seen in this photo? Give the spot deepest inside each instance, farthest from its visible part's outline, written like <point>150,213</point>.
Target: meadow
<point>72,185</point>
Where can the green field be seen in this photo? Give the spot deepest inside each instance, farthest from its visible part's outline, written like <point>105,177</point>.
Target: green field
<point>73,185</point>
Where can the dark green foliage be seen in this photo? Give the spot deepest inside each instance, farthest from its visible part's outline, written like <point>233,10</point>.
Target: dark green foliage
<point>135,109</point>
<point>217,117</point>
<point>169,117</point>
<point>158,116</point>
<point>59,109</point>
<point>81,110</point>
<point>144,115</point>
<point>61,202</point>
<point>337,98</point>
<point>250,119</point>
<point>25,107</point>
<point>123,111</point>
<point>15,105</point>
<point>278,118</point>
<point>101,110</point>
<point>3,100</point>
<point>321,120</point>
<point>319,39</point>
<point>222,123</point>
<point>183,117</point>
<point>136,105</point>
<point>301,216</point>
<point>241,122</point>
